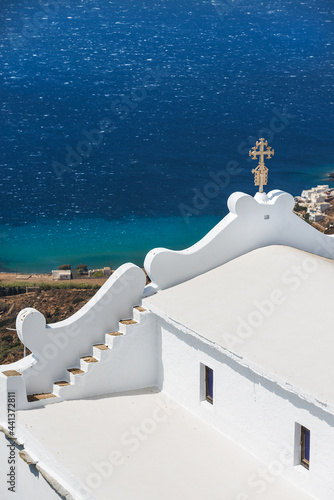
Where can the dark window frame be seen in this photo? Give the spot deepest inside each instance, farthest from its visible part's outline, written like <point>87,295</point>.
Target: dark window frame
<point>305,442</point>
<point>208,390</point>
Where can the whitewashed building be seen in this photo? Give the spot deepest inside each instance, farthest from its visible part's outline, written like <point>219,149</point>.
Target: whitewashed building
<point>315,201</point>
<point>106,271</point>
<point>65,274</point>
<point>315,216</point>
<point>323,206</point>
<point>311,194</point>
<point>214,381</point>
<point>316,197</point>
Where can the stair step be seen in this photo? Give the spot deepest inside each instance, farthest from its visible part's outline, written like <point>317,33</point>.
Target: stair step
<point>114,333</point>
<point>62,383</point>
<point>102,347</point>
<point>11,373</point>
<point>128,322</point>
<point>39,397</point>
<point>140,309</point>
<point>89,359</point>
<point>75,371</point>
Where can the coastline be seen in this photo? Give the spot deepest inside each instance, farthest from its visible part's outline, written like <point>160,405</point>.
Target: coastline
<point>97,242</point>
<point>46,278</point>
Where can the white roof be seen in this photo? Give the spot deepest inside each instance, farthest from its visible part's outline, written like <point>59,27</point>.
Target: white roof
<point>292,341</point>
<point>178,457</point>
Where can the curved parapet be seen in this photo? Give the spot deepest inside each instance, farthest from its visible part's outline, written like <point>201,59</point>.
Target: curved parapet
<point>32,322</point>
<point>252,222</point>
<point>58,346</point>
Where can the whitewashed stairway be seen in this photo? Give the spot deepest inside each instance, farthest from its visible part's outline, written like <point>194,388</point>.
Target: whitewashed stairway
<point>92,352</point>
<point>125,360</point>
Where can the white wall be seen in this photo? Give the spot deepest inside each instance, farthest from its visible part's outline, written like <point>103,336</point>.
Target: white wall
<point>131,363</point>
<point>252,411</point>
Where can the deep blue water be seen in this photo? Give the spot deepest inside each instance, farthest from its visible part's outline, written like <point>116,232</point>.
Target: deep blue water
<point>115,114</point>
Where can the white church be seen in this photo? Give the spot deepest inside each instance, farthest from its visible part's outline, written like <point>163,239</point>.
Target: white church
<point>215,381</point>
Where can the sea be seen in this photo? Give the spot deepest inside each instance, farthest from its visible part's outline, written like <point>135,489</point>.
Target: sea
<point>126,124</point>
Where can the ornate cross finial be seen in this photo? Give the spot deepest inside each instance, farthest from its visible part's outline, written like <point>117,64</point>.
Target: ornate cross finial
<point>261,171</point>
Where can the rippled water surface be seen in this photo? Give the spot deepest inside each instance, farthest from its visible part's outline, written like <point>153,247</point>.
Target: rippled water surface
<point>116,116</point>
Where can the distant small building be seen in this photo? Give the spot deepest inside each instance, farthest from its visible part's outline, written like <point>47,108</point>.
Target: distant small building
<point>107,271</point>
<point>92,271</point>
<point>316,216</point>
<point>62,275</point>
<point>316,201</point>
<point>306,194</point>
<point>311,195</point>
<point>317,198</point>
<point>322,207</point>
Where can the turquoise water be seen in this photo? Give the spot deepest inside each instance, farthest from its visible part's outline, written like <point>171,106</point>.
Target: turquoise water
<point>95,242</point>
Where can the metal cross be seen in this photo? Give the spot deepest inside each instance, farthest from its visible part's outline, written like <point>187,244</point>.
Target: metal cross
<point>261,171</point>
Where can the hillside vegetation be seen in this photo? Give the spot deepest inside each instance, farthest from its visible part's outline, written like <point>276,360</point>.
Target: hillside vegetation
<point>55,303</point>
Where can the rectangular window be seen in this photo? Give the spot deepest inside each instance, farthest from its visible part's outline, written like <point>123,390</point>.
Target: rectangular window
<point>305,436</point>
<point>209,384</point>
